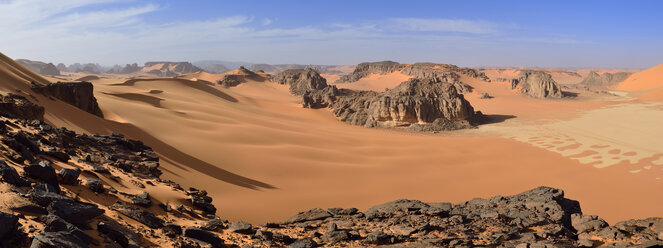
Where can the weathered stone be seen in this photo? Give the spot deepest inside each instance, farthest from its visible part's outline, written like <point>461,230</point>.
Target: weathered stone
<point>587,223</point>
<point>241,227</point>
<point>8,224</point>
<point>313,214</point>
<point>94,184</point>
<point>203,236</point>
<point>43,171</point>
<point>537,84</point>
<point>74,212</point>
<point>140,215</point>
<point>68,176</point>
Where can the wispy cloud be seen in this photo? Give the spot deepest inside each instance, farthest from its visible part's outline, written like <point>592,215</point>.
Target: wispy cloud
<point>69,31</point>
<point>445,25</point>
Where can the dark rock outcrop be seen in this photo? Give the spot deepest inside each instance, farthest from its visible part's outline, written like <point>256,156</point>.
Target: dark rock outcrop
<point>537,84</point>
<point>43,170</point>
<point>68,176</point>
<point>138,214</point>
<point>78,213</point>
<point>16,106</point>
<point>365,69</point>
<point>604,79</point>
<point>204,236</point>
<point>78,94</point>
<point>8,224</point>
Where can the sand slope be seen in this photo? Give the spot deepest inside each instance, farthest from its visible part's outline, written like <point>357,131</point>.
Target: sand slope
<point>644,80</point>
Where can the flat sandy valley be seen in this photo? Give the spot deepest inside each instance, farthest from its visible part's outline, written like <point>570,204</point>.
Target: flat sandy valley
<point>263,157</point>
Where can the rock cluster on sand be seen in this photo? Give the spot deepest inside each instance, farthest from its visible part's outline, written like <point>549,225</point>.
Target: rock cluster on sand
<point>17,106</point>
<point>537,84</point>
<point>242,75</point>
<point>604,79</point>
<point>418,102</point>
<point>78,94</point>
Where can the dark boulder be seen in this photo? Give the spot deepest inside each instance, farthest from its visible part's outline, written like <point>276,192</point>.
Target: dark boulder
<point>313,214</point>
<point>301,80</point>
<point>204,236</point>
<point>17,106</point>
<point>140,215</point>
<point>11,176</point>
<point>94,184</point>
<point>241,227</point>
<point>78,213</point>
<point>8,224</point>
<point>44,171</point>
<point>68,176</point>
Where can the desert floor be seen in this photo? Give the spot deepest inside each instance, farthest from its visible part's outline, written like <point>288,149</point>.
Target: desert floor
<point>263,157</point>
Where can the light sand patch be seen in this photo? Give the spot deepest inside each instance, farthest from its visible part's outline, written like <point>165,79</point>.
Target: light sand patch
<point>623,134</point>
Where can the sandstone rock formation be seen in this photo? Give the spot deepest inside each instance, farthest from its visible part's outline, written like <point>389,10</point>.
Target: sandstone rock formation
<point>42,68</point>
<point>417,101</point>
<point>537,84</point>
<point>301,80</point>
<point>367,68</point>
<point>604,79</point>
<point>78,94</point>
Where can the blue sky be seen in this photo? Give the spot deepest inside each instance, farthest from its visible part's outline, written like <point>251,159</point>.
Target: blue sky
<point>608,34</point>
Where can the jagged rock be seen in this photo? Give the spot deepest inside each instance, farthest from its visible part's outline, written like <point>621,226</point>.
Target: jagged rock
<point>78,213</point>
<point>57,239</point>
<point>140,215</point>
<point>142,199</point>
<point>537,84</point>
<point>54,223</point>
<point>78,94</point>
<point>121,235</point>
<point>44,194</point>
<point>303,243</point>
<point>604,79</point>
<point>213,225</point>
<point>313,214</point>
<point>379,238</point>
<point>68,176</point>
<point>333,237</point>
<point>419,100</point>
<point>44,171</point>
<point>8,224</point>
<point>402,206</point>
<point>94,184</point>
<point>432,70</point>
<point>301,80</point>
<point>200,200</point>
<point>587,223</point>
<point>365,69</point>
<point>172,230</point>
<point>204,236</point>
<point>241,227</point>
<point>10,175</point>
<point>16,106</point>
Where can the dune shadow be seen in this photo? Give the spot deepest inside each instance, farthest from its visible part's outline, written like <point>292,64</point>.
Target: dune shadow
<point>491,119</point>
<point>151,100</point>
<point>203,86</point>
<point>175,156</point>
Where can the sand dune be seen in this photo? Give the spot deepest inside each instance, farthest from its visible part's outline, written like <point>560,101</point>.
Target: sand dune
<point>644,80</point>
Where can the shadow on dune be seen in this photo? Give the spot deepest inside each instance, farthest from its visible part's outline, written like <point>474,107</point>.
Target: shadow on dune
<point>179,158</point>
<point>203,86</point>
<point>490,119</point>
<point>93,124</point>
<point>154,101</point>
